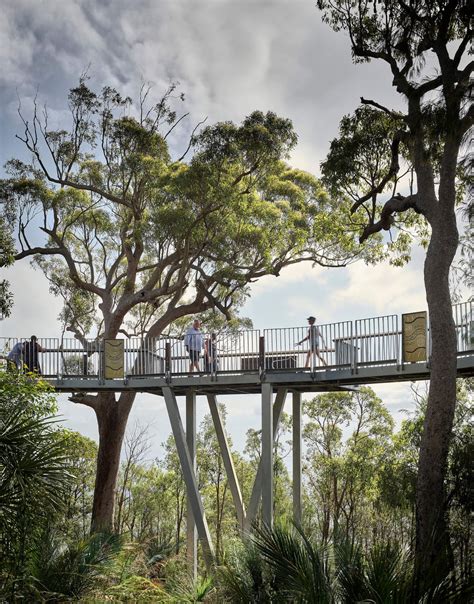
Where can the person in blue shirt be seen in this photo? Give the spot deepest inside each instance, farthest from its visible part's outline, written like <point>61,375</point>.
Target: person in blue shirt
<point>193,342</point>
<point>15,357</point>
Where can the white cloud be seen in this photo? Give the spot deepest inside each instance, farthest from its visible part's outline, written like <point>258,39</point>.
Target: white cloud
<point>35,309</point>
<point>383,289</point>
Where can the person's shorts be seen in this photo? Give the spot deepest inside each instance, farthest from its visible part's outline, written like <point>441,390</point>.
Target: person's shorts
<point>194,356</point>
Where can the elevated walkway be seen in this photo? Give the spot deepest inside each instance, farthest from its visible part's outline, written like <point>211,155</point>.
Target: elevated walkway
<point>390,348</point>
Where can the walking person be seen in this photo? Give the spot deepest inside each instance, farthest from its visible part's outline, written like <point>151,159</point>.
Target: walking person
<point>313,337</point>
<point>193,342</point>
<point>30,356</point>
<point>210,354</point>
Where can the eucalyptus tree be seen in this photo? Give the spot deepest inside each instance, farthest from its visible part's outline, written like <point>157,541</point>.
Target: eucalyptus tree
<point>134,239</point>
<point>347,436</point>
<point>425,47</point>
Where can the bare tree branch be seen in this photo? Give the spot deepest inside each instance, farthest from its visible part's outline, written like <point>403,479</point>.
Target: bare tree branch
<point>394,205</point>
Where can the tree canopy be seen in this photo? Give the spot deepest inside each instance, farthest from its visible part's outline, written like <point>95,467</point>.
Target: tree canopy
<point>133,239</point>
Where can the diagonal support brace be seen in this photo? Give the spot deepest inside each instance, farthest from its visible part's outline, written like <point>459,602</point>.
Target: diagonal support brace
<point>227,459</point>
<point>191,532</point>
<point>189,476</point>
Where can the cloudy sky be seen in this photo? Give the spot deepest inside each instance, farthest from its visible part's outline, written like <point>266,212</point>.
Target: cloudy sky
<point>230,57</point>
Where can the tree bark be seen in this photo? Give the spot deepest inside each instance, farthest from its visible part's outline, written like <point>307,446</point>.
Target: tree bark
<point>112,418</point>
<point>431,533</point>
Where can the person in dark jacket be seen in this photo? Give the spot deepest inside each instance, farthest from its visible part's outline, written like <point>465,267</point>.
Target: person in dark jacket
<point>30,356</point>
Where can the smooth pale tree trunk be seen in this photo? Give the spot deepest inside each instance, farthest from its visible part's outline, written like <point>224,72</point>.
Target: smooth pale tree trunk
<point>431,533</point>
<point>112,418</point>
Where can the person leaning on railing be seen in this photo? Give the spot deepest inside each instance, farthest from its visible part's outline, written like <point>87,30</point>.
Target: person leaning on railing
<point>15,357</point>
<point>30,356</point>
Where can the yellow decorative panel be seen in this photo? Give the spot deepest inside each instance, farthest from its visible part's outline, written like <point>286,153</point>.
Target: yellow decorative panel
<point>414,337</point>
<point>114,359</point>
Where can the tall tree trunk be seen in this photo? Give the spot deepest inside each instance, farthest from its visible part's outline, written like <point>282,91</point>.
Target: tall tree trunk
<point>431,530</point>
<point>112,418</point>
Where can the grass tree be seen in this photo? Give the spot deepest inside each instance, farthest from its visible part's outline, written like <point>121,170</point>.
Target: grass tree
<point>34,475</point>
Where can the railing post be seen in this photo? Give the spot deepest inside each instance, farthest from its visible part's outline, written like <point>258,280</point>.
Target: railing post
<point>428,341</point>
<point>261,355</point>
<point>400,344</point>
<point>102,360</point>
<point>354,346</point>
<point>168,361</point>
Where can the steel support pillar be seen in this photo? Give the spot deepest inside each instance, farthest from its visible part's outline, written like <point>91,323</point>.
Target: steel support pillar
<point>189,476</point>
<point>297,457</point>
<point>191,532</point>
<point>227,459</point>
<point>267,454</point>
<point>257,485</point>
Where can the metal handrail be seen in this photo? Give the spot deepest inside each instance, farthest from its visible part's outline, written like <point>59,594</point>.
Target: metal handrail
<point>371,341</point>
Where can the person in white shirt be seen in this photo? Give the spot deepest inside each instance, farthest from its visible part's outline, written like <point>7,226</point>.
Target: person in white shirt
<point>314,334</point>
<point>193,342</point>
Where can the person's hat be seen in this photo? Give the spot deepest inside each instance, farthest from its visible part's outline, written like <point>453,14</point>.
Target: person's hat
<point>311,319</point>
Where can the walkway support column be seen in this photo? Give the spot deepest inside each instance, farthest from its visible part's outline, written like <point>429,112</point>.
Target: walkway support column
<point>191,532</point>
<point>189,476</point>
<point>297,457</point>
<point>267,454</point>
<point>257,485</point>
<point>227,459</point>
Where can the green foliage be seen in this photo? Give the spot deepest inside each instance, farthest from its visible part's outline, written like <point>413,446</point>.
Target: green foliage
<point>197,591</point>
<point>7,250</point>
<point>410,26</point>
<point>294,568</point>
<point>359,499</point>
<point>348,438</point>
<point>359,163</point>
<point>244,577</point>
<point>32,461</point>
<point>214,485</point>
<point>34,474</point>
<point>301,570</point>
<point>72,572</point>
<point>32,397</point>
<point>361,156</point>
<point>136,589</point>
<point>81,454</point>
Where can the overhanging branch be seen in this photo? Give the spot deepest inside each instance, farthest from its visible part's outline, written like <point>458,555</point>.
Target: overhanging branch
<point>393,206</point>
<point>392,171</point>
